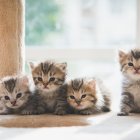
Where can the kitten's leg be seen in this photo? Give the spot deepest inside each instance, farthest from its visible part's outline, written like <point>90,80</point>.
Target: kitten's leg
<point>31,110</point>
<point>127,104</point>
<point>60,108</point>
<point>3,109</point>
<point>61,101</point>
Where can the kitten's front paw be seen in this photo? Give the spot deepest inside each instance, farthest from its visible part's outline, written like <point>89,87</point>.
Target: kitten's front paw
<point>86,112</point>
<point>26,112</point>
<point>106,109</point>
<point>123,114</point>
<point>60,112</point>
<point>3,111</point>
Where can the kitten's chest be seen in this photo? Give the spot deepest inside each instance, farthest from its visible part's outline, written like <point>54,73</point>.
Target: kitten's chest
<point>50,102</point>
<point>135,91</point>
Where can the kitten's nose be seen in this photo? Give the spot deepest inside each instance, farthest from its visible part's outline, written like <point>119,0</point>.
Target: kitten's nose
<point>13,103</point>
<point>78,102</point>
<point>45,85</point>
<point>137,69</point>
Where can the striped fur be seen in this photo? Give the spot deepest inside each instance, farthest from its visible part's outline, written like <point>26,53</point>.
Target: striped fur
<point>49,78</point>
<point>130,68</point>
<point>14,92</point>
<point>48,75</point>
<point>87,96</point>
<point>29,102</point>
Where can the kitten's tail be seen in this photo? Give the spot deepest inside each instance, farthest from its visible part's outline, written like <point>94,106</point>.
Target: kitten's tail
<point>106,95</point>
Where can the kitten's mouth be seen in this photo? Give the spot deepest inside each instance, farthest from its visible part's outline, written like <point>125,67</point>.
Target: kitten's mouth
<point>79,106</point>
<point>46,88</point>
<point>136,72</point>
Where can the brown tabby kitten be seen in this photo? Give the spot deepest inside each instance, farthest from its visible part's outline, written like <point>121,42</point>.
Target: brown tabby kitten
<point>87,96</point>
<point>130,68</point>
<point>49,78</point>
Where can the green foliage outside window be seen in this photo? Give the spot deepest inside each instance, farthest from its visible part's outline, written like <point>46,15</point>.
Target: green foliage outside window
<point>42,17</point>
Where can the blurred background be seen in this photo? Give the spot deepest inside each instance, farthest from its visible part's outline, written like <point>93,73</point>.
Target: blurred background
<point>85,33</point>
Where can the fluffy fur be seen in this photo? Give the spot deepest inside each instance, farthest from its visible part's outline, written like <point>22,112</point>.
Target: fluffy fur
<point>130,69</point>
<point>49,78</point>
<point>87,96</point>
<point>14,93</point>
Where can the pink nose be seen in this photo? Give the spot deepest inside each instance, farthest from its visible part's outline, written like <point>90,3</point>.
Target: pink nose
<point>137,69</point>
<point>13,103</point>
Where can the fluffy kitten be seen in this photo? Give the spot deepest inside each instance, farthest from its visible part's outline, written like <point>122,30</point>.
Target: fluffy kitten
<point>130,69</point>
<point>49,78</point>
<point>87,96</point>
<point>17,98</point>
<point>14,94</point>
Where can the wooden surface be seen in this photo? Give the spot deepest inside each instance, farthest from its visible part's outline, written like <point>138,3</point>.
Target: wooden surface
<point>36,121</point>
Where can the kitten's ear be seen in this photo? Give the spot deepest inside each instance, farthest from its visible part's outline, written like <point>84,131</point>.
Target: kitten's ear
<point>62,66</point>
<point>31,64</point>
<point>92,84</point>
<point>25,80</point>
<point>122,55</point>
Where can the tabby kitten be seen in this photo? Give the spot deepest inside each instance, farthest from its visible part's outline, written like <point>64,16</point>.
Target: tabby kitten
<point>49,78</point>
<point>14,94</point>
<point>87,96</point>
<point>130,69</point>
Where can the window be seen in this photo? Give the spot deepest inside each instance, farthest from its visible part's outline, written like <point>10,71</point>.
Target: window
<point>85,33</point>
<point>80,23</point>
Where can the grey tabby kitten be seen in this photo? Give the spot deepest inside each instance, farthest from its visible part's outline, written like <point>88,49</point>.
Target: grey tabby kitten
<point>130,68</point>
<point>14,94</point>
<point>17,98</point>
<point>87,96</point>
<point>49,78</point>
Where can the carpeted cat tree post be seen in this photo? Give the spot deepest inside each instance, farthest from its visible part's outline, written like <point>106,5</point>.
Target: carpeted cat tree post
<point>11,37</point>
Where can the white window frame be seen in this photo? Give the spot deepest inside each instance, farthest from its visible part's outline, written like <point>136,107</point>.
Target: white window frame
<point>34,53</point>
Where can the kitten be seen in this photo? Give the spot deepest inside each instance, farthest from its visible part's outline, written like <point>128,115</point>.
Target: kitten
<point>18,98</point>
<point>87,96</point>
<point>49,78</point>
<point>130,69</point>
<point>14,94</point>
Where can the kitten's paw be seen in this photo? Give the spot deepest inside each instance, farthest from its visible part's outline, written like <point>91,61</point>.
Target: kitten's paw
<point>86,112</point>
<point>4,111</point>
<point>26,112</point>
<point>60,112</point>
<point>106,109</point>
<point>123,114</point>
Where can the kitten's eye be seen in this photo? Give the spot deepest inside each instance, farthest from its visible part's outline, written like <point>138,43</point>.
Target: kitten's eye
<point>72,97</point>
<point>83,96</point>
<point>7,98</point>
<point>39,79</point>
<point>130,64</point>
<point>19,95</point>
<point>51,79</point>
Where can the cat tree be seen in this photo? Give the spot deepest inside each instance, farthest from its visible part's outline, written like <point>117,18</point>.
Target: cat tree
<point>11,37</point>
